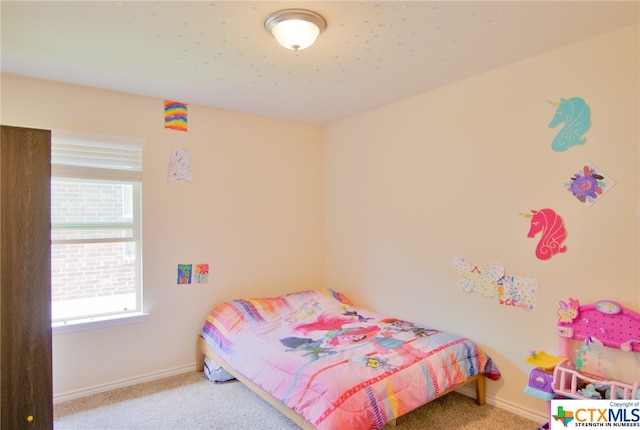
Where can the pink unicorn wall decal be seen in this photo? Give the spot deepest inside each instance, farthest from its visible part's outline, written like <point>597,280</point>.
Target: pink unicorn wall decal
<point>553,232</point>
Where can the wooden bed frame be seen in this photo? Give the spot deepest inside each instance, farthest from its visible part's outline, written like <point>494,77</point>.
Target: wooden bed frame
<point>205,350</point>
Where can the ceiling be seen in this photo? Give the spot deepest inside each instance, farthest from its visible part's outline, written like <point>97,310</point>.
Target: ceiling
<point>218,54</point>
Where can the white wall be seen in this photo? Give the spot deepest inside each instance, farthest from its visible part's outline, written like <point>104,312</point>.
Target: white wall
<point>446,173</point>
<point>253,211</point>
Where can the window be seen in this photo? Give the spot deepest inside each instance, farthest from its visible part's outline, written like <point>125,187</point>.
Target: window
<point>96,231</point>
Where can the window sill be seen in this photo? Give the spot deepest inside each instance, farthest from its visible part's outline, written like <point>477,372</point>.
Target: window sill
<point>98,322</point>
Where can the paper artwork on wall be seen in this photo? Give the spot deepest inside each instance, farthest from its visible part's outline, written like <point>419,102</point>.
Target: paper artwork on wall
<point>179,165</point>
<point>175,115</point>
<point>184,273</point>
<point>489,280</point>
<point>553,231</point>
<point>588,184</point>
<point>480,279</point>
<point>518,291</point>
<point>576,116</point>
<point>201,273</point>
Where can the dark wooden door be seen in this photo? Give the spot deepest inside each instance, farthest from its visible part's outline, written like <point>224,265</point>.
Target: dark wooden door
<point>26,393</point>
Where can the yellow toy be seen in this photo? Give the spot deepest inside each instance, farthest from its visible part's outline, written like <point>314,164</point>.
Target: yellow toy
<point>543,360</point>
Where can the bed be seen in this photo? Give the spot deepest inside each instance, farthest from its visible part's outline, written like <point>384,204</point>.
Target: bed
<point>327,364</point>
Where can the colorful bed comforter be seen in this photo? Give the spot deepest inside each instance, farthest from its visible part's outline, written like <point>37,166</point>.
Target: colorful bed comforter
<point>337,365</point>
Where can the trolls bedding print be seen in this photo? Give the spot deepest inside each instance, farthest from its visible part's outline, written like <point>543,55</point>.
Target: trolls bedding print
<point>337,365</point>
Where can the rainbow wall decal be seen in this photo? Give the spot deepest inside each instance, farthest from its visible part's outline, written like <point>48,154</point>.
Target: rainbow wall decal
<point>175,115</point>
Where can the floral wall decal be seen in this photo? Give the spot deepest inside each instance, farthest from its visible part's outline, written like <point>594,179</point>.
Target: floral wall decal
<point>588,184</point>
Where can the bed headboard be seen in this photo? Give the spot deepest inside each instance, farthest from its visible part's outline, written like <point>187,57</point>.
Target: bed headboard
<point>605,321</point>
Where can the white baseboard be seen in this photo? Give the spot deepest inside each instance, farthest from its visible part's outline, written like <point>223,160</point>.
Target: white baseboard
<point>76,394</point>
<point>470,391</point>
<point>96,389</point>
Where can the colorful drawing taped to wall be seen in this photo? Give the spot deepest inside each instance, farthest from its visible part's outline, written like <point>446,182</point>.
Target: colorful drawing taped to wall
<point>184,273</point>
<point>201,273</point>
<point>588,184</point>
<point>179,165</point>
<point>576,116</point>
<point>479,279</point>
<point>175,115</point>
<point>553,231</point>
<point>518,291</point>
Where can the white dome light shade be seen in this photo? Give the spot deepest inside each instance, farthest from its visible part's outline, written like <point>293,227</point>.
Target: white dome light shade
<point>295,29</point>
<point>295,34</point>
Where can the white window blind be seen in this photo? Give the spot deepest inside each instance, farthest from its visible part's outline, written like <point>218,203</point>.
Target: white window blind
<point>77,154</point>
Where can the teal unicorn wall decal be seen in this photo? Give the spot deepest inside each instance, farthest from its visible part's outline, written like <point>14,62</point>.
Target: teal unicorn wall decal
<point>576,116</point>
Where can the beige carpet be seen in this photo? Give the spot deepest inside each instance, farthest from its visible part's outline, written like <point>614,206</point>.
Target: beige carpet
<point>191,402</point>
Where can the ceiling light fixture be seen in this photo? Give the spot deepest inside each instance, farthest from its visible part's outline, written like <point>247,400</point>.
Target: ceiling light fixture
<point>295,29</point>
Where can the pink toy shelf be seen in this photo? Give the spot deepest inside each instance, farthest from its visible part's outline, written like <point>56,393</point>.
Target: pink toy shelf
<point>607,323</point>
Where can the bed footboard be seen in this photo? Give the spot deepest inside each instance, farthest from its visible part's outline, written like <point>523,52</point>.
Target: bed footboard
<point>203,349</point>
